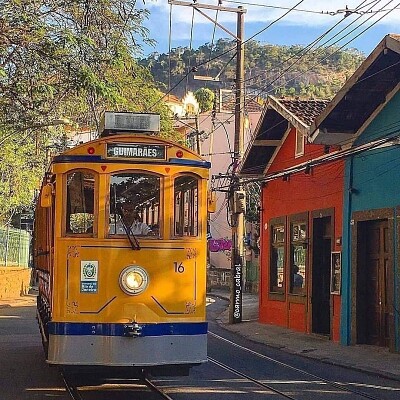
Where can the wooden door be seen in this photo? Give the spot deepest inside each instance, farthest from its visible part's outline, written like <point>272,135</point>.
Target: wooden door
<point>320,296</point>
<point>372,281</point>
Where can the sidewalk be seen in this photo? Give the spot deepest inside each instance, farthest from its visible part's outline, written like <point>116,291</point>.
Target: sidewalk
<point>376,360</point>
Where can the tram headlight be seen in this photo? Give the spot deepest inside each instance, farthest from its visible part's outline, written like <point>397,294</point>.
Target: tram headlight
<point>133,280</point>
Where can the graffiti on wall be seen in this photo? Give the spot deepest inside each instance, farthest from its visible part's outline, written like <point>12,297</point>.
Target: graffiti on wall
<point>216,245</point>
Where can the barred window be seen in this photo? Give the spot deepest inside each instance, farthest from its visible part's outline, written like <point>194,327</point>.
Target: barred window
<point>298,257</point>
<point>277,263</point>
<point>80,202</point>
<point>186,206</point>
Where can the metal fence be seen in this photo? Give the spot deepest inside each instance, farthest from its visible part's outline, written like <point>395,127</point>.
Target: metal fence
<point>14,247</point>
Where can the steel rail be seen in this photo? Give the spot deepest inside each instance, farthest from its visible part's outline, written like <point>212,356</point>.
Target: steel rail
<point>71,389</point>
<point>156,389</point>
<point>249,378</point>
<point>309,374</point>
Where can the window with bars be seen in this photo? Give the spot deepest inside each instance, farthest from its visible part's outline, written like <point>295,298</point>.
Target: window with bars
<point>80,214</point>
<point>186,206</point>
<point>298,251</point>
<point>277,262</point>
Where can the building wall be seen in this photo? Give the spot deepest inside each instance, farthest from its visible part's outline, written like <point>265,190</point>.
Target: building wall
<point>14,282</point>
<point>216,147</point>
<point>321,189</point>
<point>373,177</point>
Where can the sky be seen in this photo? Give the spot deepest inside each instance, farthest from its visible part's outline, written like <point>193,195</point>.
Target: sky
<point>363,29</point>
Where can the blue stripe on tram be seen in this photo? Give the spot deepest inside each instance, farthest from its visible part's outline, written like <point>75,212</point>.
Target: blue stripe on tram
<point>68,328</point>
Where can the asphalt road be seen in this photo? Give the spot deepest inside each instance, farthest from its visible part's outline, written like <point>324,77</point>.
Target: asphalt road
<point>25,375</point>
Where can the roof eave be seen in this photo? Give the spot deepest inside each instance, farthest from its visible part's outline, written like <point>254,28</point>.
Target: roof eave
<point>388,42</point>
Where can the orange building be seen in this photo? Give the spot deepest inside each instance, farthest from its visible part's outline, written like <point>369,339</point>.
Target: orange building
<point>301,218</point>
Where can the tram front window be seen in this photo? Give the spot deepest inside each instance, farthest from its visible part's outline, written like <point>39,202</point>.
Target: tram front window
<point>134,204</point>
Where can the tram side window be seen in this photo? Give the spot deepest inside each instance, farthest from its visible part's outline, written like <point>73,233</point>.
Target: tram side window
<point>135,199</point>
<point>80,202</point>
<point>186,206</point>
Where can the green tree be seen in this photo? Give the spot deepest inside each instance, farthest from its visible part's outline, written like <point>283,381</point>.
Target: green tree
<point>205,98</point>
<point>66,59</point>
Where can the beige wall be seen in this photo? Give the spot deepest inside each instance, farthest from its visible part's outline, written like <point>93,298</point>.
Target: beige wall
<point>14,282</point>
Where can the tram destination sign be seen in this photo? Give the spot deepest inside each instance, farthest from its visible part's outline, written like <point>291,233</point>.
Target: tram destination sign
<point>138,151</point>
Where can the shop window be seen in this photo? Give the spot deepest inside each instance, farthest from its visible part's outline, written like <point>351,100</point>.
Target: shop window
<point>134,204</point>
<point>186,206</point>
<point>298,257</point>
<point>277,264</point>
<point>80,202</point>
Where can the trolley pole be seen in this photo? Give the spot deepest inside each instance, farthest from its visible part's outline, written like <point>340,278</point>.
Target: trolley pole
<point>236,194</point>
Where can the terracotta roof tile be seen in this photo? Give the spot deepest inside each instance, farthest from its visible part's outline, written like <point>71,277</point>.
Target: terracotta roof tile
<point>304,110</point>
<point>250,105</point>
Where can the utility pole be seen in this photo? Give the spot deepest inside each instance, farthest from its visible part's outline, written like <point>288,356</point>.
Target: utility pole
<point>238,200</point>
<point>236,194</point>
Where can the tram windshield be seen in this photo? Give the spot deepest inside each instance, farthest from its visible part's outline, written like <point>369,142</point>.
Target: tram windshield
<point>134,204</point>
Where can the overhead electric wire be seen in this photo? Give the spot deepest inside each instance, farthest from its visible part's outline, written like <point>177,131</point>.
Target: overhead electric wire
<point>314,65</point>
<point>317,153</point>
<point>355,37</point>
<point>274,7</point>
<point>273,22</point>
<point>325,48</point>
<point>308,48</point>
<point>190,50</point>
<point>312,43</point>
<point>169,48</point>
<point>320,46</point>
<point>331,157</point>
<point>387,128</point>
<point>212,40</point>
<point>245,41</point>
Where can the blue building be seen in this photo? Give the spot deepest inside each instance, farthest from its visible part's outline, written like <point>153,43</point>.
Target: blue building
<point>364,120</point>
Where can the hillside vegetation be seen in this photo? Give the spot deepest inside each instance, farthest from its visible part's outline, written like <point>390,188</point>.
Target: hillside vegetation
<point>269,69</point>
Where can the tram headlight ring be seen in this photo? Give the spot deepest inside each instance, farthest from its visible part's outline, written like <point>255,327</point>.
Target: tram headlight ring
<point>133,280</point>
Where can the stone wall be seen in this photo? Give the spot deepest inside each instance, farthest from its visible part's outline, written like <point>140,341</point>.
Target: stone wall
<point>14,281</point>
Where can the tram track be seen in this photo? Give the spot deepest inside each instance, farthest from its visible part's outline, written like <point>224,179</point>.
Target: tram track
<point>157,389</point>
<point>257,382</point>
<point>73,391</point>
<point>334,384</point>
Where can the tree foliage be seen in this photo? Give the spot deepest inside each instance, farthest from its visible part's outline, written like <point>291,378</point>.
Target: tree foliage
<point>205,98</point>
<point>269,69</point>
<point>70,59</point>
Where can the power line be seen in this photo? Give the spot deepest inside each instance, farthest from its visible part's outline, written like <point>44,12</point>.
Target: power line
<point>263,89</point>
<point>328,158</point>
<point>273,22</point>
<point>325,48</point>
<point>272,7</point>
<point>387,128</point>
<point>308,48</point>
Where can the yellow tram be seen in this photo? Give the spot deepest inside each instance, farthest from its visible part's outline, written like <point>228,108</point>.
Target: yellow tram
<point>112,296</point>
